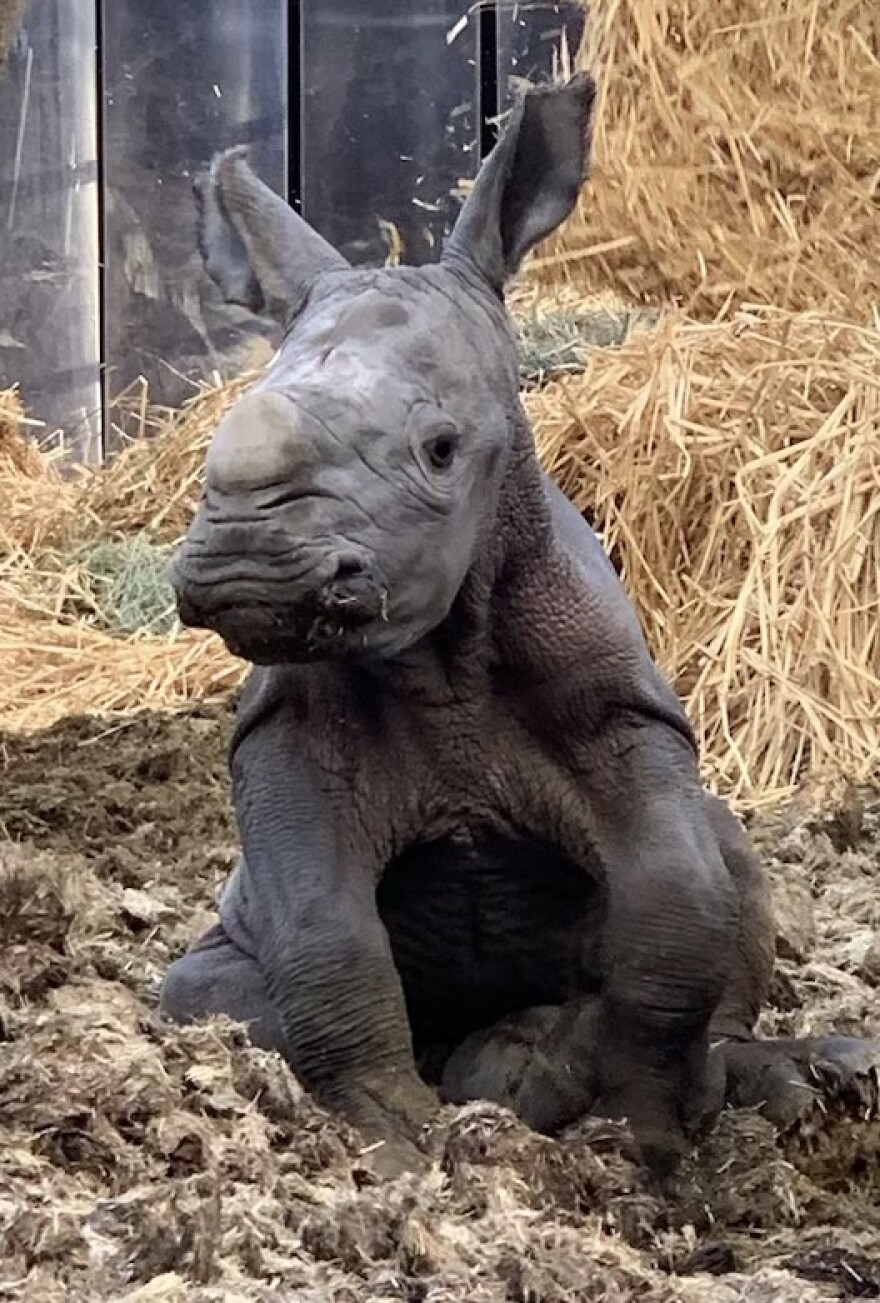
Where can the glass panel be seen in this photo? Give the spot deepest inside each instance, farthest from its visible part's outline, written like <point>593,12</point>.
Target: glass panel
<point>182,79</point>
<point>49,333</point>
<point>530,39</point>
<point>389,124</point>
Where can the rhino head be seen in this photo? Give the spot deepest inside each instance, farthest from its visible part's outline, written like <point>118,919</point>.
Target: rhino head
<point>348,492</point>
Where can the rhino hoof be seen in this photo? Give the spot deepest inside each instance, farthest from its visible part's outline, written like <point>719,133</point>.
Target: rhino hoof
<point>786,1079</point>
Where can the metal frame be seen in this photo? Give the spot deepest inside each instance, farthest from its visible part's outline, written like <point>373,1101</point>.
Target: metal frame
<point>101,288</point>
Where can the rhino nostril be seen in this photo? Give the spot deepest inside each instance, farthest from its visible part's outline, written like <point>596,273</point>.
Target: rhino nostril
<point>354,593</point>
<point>349,568</point>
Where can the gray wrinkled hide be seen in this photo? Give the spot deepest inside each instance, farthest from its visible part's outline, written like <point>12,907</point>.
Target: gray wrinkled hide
<point>477,856</point>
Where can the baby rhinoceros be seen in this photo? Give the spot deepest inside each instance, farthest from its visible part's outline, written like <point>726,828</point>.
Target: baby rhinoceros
<point>477,858</point>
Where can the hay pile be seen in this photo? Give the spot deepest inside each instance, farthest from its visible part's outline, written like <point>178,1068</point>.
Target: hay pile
<point>737,153</point>
<point>732,466</point>
<point>60,655</point>
<point>733,470</point>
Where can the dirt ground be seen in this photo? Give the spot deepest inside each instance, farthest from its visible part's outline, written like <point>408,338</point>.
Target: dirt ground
<point>139,1161</point>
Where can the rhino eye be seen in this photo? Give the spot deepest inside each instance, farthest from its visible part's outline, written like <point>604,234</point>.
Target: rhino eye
<point>441,450</point>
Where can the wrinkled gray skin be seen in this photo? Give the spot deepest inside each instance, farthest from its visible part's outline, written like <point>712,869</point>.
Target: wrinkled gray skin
<point>477,857</point>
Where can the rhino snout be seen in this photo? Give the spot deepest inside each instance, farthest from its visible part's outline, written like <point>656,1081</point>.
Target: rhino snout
<point>267,610</point>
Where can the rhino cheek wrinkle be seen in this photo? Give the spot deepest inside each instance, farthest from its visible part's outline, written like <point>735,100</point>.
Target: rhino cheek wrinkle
<point>477,858</point>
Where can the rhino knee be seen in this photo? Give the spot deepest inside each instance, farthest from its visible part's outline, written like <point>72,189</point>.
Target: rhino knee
<point>222,981</point>
<point>183,997</point>
<point>748,986</point>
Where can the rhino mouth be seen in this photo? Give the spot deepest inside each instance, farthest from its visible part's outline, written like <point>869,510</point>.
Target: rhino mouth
<point>334,622</point>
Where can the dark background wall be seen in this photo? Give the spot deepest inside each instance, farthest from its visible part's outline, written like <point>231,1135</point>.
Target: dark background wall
<point>367,114</point>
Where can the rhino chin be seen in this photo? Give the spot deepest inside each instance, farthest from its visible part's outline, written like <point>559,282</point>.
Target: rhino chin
<point>357,646</point>
<point>281,646</point>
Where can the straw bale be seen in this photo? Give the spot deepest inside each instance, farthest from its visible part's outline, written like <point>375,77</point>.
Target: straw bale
<point>53,667</point>
<point>58,657</point>
<point>733,470</point>
<point>736,155</point>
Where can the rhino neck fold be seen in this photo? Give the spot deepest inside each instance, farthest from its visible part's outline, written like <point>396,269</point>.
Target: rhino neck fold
<point>522,532</point>
<point>516,540</point>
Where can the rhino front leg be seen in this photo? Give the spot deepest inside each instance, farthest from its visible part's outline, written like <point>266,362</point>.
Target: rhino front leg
<point>216,977</point>
<point>309,899</point>
<point>670,937</point>
<point>341,1006</point>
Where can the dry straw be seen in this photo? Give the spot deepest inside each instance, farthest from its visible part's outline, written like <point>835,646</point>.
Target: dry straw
<point>56,658</point>
<point>737,155</point>
<point>733,468</point>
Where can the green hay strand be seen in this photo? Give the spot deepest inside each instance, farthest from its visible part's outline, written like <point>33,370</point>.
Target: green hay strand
<point>129,587</point>
<point>551,343</point>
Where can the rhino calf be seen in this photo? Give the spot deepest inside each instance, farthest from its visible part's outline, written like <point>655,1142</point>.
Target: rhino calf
<point>477,858</point>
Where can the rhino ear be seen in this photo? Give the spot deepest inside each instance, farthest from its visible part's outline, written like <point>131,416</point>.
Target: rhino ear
<point>254,246</point>
<point>531,180</point>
